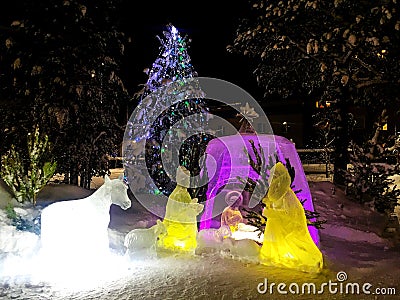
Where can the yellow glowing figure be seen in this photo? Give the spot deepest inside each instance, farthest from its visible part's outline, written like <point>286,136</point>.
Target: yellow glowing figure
<point>287,241</point>
<point>180,217</point>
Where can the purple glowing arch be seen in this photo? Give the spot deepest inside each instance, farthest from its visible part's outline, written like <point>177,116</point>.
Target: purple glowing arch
<point>226,161</point>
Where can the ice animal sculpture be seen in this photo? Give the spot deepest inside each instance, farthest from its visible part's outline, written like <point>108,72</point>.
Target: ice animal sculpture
<point>141,242</point>
<point>287,241</point>
<point>244,249</point>
<point>181,217</point>
<point>79,228</point>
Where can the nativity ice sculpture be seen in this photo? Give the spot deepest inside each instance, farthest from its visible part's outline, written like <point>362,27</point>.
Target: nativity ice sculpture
<point>226,162</point>
<point>287,241</point>
<point>79,228</point>
<point>181,217</point>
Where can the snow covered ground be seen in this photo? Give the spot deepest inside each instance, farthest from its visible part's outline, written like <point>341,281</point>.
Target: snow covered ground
<point>351,242</point>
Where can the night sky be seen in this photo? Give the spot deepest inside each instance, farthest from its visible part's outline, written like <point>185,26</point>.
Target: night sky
<point>209,24</point>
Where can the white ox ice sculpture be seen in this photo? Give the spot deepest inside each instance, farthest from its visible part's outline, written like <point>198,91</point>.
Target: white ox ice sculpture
<point>79,228</point>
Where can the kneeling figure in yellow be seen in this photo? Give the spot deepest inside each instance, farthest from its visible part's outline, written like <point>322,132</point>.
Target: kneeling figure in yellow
<point>181,217</point>
<point>287,241</point>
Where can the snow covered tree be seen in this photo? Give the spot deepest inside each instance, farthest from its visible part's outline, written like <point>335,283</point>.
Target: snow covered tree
<point>323,137</point>
<point>173,65</point>
<point>369,179</point>
<point>27,178</point>
<point>260,187</point>
<point>60,64</point>
<point>342,51</point>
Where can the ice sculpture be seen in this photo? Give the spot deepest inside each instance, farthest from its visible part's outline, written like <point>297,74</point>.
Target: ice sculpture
<point>79,228</point>
<point>226,160</point>
<point>249,232</point>
<point>142,242</point>
<point>243,249</point>
<point>231,216</point>
<point>287,241</point>
<point>222,241</point>
<point>181,217</point>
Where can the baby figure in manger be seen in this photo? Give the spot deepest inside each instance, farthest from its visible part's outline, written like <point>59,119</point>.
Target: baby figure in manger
<point>181,217</point>
<point>287,241</point>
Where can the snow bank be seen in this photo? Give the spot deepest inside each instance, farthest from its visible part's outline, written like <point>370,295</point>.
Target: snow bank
<point>352,235</point>
<point>16,247</point>
<point>216,275</point>
<point>16,242</point>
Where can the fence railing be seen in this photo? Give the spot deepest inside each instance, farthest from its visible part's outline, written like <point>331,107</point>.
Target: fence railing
<point>317,161</point>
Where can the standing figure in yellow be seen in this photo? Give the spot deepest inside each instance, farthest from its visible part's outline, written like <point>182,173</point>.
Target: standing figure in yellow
<point>181,217</point>
<point>287,241</point>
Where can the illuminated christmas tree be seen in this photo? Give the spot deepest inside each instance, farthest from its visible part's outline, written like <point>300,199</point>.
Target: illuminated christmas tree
<point>171,123</point>
<point>172,64</point>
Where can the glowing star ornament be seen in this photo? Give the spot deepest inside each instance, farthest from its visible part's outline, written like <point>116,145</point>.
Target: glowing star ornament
<point>287,241</point>
<point>174,32</point>
<point>181,217</point>
<point>248,112</point>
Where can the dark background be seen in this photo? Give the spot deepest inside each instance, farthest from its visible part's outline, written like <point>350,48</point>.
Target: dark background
<point>211,27</point>
<point>209,24</point>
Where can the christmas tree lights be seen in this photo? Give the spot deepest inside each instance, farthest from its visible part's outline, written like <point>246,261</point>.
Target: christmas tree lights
<point>170,120</point>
